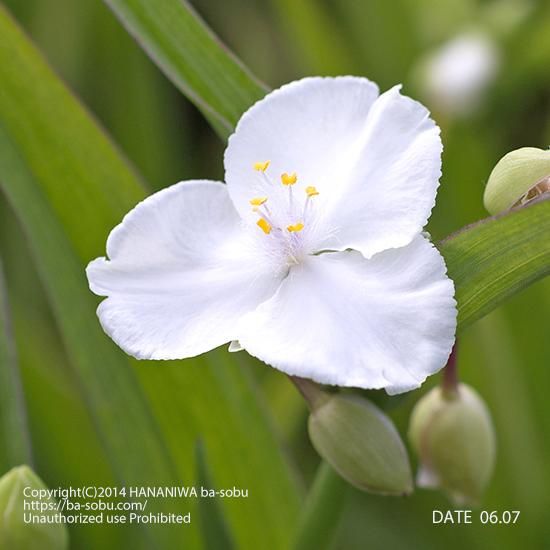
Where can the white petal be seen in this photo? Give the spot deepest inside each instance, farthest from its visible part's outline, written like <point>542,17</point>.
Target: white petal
<point>375,160</point>
<point>181,274</point>
<point>304,127</point>
<point>388,196</point>
<point>338,318</point>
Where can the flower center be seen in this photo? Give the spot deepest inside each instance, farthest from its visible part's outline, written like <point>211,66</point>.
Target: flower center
<point>285,216</point>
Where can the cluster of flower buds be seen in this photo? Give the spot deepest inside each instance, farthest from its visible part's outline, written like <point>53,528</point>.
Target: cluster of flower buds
<point>450,431</point>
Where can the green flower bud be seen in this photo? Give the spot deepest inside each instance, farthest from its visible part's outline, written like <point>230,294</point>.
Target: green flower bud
<point>453,436</point>
<point>518,177</point>
<point>361,443</point>
<point>15,534</point>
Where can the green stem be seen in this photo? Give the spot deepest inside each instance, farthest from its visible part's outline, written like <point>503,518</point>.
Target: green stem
<point>323,510</point>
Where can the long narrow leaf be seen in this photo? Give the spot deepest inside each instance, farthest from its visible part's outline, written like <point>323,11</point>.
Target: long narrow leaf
<point>316,36</point>
<point>15,445</point>
<point>192,57</point>
<point>69,187</point>
<point>48,149</point>
<point>214,528</point>
<point>115,400</point>
<point>494,259</point>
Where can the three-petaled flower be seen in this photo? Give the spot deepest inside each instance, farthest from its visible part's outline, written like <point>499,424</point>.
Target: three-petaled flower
<point>311,258</point>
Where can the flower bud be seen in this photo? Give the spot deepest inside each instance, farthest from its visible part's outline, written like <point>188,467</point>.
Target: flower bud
<point>518,177</point>
<point>15,534</point>
<point>452,434</point>
<point>361,443</point>
<point>455,76</point>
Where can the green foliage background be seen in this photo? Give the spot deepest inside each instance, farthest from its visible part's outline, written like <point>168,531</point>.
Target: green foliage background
<point>95,417</point>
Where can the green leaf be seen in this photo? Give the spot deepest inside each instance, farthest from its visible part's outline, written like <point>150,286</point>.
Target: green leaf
<point>493,259</point>
<point>15,441</point>
<point>316,36</point>
<point>214,528</point>
<point>69,187</point>
<point>134,447</point>
<point>192,58</point>
<point>322,511</point>
<point>57,169</point>
<point>375,28</point>
<point>211,398</point>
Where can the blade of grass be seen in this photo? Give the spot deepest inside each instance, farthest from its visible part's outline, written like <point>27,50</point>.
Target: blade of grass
<point>221,408</point>
<point>323,509</point>
<point>216,533</point>
<point>316,36</point>
<point>14,432</point>
<point>376,27</point>
<point>56,413</point>
<point>192,58</point>
<point>136,452</point>
<point>69,187</point>
<point>47,144</point>
<point>493,259</point>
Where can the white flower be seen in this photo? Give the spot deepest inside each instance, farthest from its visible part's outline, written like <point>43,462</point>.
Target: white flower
<point>311,257</point>
<point>459,72</point>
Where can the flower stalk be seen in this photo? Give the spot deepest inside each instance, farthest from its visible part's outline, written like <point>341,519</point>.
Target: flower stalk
<point>449,383</point>
<point>314,396</point>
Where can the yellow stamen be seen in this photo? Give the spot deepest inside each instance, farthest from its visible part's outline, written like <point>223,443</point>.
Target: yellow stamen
<point>311,191</point>
<point>261,166</point>
<point>258,201</point>
<point>264,225</point>
<point>289,179</point>
<point>296,227</point>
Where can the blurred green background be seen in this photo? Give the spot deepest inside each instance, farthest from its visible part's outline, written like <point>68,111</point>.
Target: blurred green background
<point>505,356</point>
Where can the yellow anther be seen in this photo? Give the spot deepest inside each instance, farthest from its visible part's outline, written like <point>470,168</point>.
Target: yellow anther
<point>296,227</point>
<point>264,225</point>
<point>311,191</point>
<point>289,179</point>
<point>258,201</point>
<point>261,166</point>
